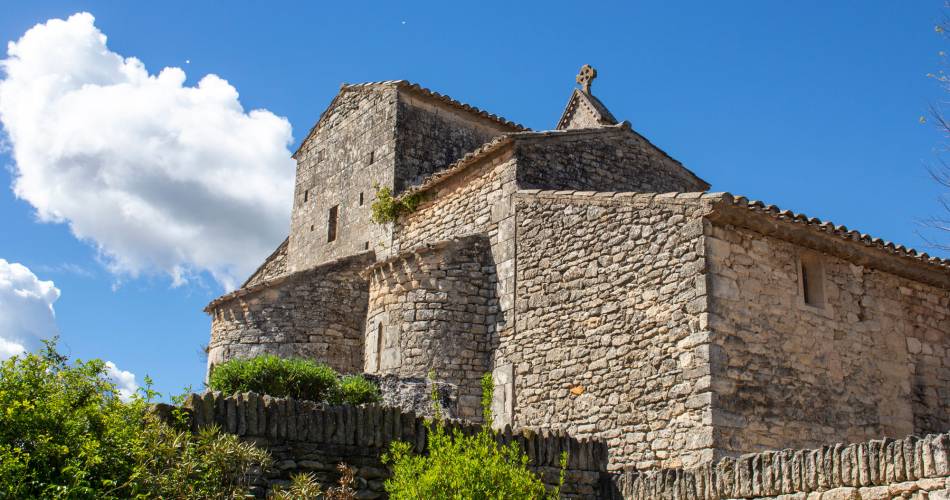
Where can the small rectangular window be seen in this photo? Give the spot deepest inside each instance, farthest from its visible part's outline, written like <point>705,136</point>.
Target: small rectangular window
<point>331,223</point>
<point>361,199</point>
<point>812,274</point>
<point>371,157</point>
<point>320,155</point>
<point>366,246</point>
<point>311,227</point>
<point>379,347</point>
<point>306,195</point>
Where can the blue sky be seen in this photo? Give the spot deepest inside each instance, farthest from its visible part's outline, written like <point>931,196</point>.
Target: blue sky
<point>813,106</point>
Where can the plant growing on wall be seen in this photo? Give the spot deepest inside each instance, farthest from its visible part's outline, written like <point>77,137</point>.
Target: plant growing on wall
<point>388,208</point>
<point>460,466</point>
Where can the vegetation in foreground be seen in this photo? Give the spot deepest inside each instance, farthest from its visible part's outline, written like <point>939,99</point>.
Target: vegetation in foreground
<point>460,466</point>
<point>296,378</point>
<point>65,433</point>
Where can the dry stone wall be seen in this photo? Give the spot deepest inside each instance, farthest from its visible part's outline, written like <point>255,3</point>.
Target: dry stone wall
<point>304,436</point>
<point>872,358</point>
<point>315,314</point>
<point>886,469</point>
<point>431,310</point>
<point>603,159</point>
<point>609,341</point>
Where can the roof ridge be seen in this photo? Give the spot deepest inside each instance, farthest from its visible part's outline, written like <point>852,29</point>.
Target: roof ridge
<point>406,84</point>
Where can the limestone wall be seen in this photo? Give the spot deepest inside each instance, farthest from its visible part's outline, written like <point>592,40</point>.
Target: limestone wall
<point>315,314</point>
<point>352,150</point>
<point>432,310</point>
<point>871,359</point>
<point>430,136</point>
<point>913,467</point>
<point>307,437</point>
<point>604,159</point>
<point>273,267</point>
<point>609,338</point>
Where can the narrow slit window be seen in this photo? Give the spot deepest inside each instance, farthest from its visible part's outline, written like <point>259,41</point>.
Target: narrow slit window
<point>813,287</point>
<point>331,223</point>
<point>366,246</point>
<point>361,198</point>
<point>371,157</point>
<point>379,346</point>
<point>306,195</point>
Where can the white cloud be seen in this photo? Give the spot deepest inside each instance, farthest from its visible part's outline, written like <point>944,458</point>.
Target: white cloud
<point>159,176</point>
<point>123,380</point>
<point>26,309</point>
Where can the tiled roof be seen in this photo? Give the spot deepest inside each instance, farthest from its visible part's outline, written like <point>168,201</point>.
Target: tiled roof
<point>418,89</point>
<point>831,228</point>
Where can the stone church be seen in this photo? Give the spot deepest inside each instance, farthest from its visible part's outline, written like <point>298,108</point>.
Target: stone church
<point>610,294</point>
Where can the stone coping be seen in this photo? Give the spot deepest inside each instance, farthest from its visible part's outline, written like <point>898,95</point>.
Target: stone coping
<point>324,267</point>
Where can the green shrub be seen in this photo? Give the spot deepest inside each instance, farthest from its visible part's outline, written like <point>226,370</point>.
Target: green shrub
<point>64,433</point>
<point>460,466</point>
<point>356,390</point>
<point>388,208</point>
<point>278,377</point>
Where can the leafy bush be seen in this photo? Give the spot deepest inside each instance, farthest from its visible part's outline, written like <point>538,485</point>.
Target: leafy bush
<point>356,390</point>
<point>64,433</point>
<point>459,466</point>
<point>305,486</point>
<point>278,377</point>
<point>388,208</point>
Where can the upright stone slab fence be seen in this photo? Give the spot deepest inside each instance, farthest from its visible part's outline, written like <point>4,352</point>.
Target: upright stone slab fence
<point>304,436</point>
<point>913,467</point>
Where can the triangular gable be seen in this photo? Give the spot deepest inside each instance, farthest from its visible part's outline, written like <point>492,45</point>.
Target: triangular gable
<point>584,111</point>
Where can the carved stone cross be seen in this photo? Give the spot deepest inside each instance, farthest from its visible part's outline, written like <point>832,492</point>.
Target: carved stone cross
<point>586,77</point>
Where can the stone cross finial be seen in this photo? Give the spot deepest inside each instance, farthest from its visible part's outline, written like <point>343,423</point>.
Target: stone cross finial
<point>586,77</point>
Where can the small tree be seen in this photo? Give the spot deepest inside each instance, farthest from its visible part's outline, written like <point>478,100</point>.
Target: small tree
<point>460,466</point>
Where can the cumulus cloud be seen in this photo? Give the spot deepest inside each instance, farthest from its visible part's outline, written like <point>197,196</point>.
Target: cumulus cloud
<point>26,309</point>
<point>123,380</point>
<point>158,175</point>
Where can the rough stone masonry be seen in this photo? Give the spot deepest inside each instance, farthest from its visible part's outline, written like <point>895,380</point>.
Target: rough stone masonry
<point>610,294</point>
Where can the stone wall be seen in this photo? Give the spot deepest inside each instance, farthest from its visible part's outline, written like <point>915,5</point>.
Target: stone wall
<point>913,467</point>
<point>304,436</point>
<point>430,136</point>
<point>351,150</point>
<point>871,358</point>
<point>274,266</point>
<point>609,341</point>
<point>315,314</point>
<point>603,159</point>
<point>432,310</point>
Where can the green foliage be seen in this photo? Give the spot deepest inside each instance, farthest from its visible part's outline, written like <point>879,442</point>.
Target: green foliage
<point>460,466</point>
<point>278,377</point>
<point>388,208</point>
<point>355,390</point>
<point>305,486</point>
<point>64,433</point>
